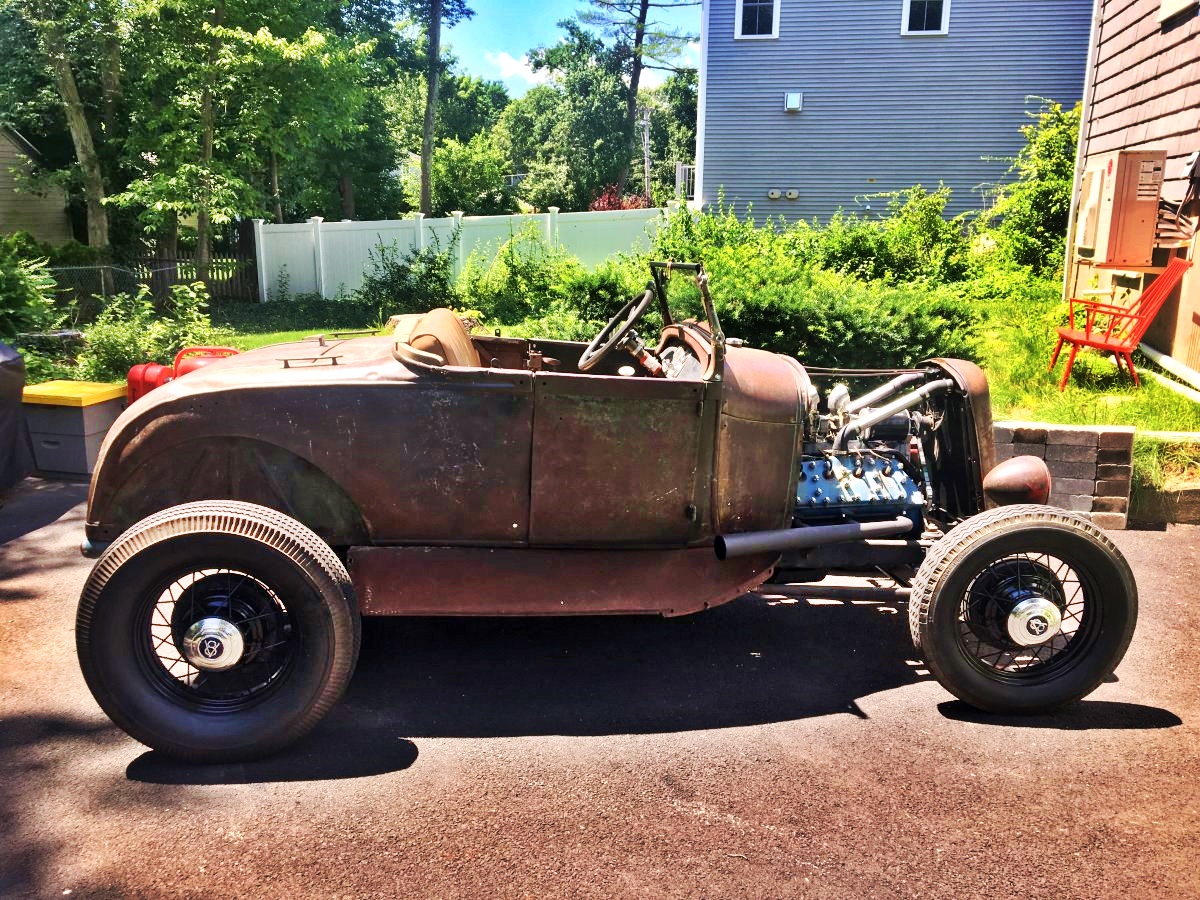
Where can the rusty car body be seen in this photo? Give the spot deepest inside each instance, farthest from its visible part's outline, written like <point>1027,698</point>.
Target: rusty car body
<point>245,516</point>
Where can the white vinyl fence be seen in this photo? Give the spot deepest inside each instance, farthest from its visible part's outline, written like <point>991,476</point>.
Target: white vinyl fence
<point>327,257</point>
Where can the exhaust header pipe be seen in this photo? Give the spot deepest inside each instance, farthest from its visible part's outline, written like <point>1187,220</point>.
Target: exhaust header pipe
<point>731,545</point>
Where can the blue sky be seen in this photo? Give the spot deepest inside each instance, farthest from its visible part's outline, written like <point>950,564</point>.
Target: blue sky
<point>493,44</point>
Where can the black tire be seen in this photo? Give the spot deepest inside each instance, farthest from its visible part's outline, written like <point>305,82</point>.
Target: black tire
<point>279,584</point>
<point>975,576</point>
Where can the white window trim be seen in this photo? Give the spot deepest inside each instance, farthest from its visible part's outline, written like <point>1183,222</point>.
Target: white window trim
<point>737,25</point>
<point>905,5</point>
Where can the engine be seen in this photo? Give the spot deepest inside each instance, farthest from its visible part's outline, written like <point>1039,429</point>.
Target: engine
<point>865,459</point>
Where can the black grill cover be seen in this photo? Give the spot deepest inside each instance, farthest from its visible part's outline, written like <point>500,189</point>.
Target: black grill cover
<point>15,461</point>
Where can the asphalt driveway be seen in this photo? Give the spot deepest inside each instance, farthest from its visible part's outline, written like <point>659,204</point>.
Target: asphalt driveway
<point>772,747</point>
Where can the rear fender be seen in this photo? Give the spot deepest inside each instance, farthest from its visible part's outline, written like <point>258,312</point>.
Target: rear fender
<point>231,468</point>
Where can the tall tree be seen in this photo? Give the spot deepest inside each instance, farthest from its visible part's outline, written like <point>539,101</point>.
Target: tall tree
<point>650,43</point>
<point>569,135</point>
<point>71,35</point>
<point>433,14</point>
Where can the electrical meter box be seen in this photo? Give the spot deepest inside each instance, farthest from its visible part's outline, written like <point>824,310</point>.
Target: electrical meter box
<point>1118,207</point>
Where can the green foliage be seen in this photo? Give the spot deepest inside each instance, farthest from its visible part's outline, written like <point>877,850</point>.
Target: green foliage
<point>570,136</point>
<point>41,366</point>
<point>526,277</point>
<point>468,177</point>
<point>416,281</point>
<point>26,293</point>
<point>673,114</point>
<point>1029,220</point>
<point>914,240</point>
<point>827,319</point>
<point>131,330</point>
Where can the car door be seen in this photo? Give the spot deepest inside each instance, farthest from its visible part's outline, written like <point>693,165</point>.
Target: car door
<point>614,460</point>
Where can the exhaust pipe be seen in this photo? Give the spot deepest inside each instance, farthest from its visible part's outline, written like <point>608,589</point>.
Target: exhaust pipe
<point>900,404</point>
<point>731,545</point>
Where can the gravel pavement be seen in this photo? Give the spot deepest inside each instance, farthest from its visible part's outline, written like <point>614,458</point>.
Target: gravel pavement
<point>770,748</point>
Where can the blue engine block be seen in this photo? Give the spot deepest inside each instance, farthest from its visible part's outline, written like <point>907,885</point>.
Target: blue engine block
<point>852,484</point>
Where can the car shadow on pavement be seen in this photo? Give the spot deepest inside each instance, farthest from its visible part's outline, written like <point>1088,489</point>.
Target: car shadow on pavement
<point>32,749</point>
<point>757,660</point>
<point>343,747</point>
<point>36,503</point>
<point>1084,715</point>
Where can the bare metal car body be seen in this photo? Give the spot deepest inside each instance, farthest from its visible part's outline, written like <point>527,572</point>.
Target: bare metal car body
<point>495,477</point>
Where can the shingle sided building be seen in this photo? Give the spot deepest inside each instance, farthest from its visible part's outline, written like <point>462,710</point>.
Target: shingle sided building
<point>807,107</point>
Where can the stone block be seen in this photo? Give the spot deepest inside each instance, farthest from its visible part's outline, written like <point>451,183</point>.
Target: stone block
<point>1025,435</point>
<point>1072,437</point>
<point>1110,504</point>
<point>1003,434</point>
<point>1004,451</point>
<point>1073,502</point>
<point>1112,489</point>
<point>1073,486</point>
<point>1062,469</point>
<point>1114,472</point>
<point>1027,449</point>
<point>1070,453</point>
<point>1117,439</point>
<point>1114,457</point>
<point>1110,521</point>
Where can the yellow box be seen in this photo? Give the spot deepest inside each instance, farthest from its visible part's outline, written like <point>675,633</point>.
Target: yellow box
<point>72,393</point>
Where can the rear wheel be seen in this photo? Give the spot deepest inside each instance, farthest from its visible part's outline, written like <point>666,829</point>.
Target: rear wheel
<point>217,631</point>
<point>1023,609</point>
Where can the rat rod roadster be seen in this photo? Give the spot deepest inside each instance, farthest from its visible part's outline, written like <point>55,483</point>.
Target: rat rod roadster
<point>246,515</point>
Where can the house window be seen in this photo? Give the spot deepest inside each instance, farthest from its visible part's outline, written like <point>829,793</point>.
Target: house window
<point>757,19</point>
<point>926,17</point>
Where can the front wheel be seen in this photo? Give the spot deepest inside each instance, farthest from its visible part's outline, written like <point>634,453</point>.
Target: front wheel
<point>217,631</point>
<point>1023,609</point>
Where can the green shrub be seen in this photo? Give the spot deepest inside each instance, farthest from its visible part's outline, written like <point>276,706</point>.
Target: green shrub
<point>26,294</point>
<point>130,331</point>
<point>558,323</point>
<point>41,366</point>
<point>827,319</point>
<point>913,241</point>
<point>1029,219</point>
<point>526,279</point>
<point>416,281</point>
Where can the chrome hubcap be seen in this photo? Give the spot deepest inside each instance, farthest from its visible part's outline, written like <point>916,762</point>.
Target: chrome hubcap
<point>1034,621</point>
<point>213,644</point>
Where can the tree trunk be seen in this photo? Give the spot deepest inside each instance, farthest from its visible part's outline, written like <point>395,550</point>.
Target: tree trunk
<point>110,80</point>
<point>81,137</point>
<point>635,77</point>
<point>167,254</point>
<point>207,127</point>
<point>346,190</point>
<point>276,205</point>
<point>433,76</point>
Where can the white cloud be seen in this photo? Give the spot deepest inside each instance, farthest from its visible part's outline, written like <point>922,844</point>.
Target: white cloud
<point>510,67</point>
<point>651,78</point>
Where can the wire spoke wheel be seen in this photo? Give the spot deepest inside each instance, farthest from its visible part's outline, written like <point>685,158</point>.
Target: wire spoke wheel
<point>217,631</point>
<point>1006,586</point>
<point>267,638</point>
<point>1023,609</point>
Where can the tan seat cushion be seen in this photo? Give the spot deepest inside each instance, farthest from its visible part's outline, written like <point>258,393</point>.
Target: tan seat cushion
<point>440,331</point>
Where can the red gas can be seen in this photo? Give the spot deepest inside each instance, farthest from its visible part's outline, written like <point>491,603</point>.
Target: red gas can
<point>145,377</point>
<point>189,359</point>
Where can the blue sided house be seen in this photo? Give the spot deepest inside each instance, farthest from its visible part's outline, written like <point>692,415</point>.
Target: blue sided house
<point>807,107</point>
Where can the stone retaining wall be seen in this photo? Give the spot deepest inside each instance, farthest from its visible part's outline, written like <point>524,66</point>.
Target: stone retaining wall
<point>1091,466</point>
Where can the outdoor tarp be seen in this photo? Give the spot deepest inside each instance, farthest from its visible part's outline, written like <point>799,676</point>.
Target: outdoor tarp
<point>15,462</point>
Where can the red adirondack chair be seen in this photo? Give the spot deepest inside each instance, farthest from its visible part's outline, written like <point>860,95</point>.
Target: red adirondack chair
<point>1117,329</point>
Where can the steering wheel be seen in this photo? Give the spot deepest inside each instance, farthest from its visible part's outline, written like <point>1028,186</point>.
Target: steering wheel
<point>617,329</point>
